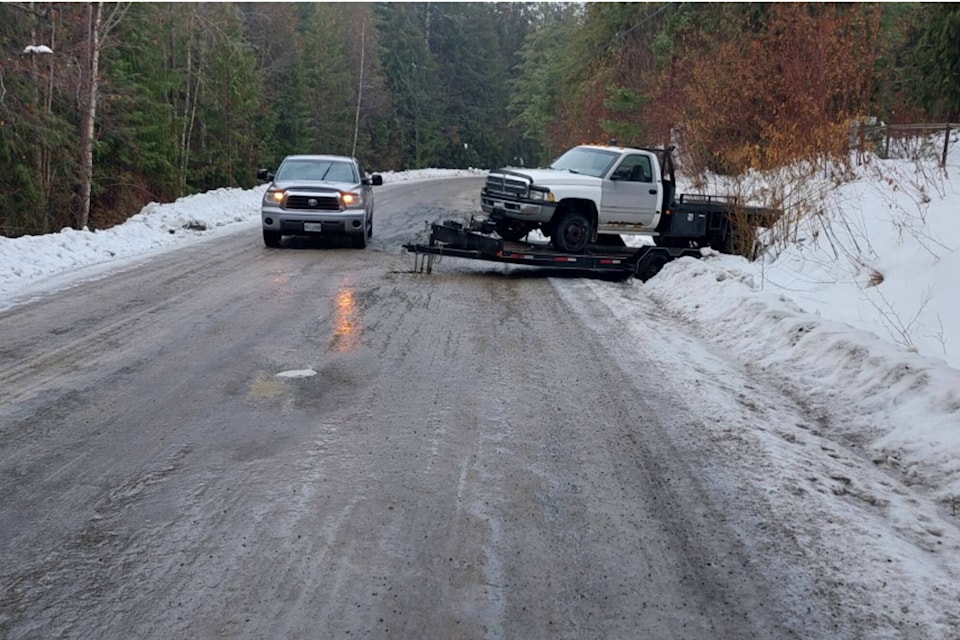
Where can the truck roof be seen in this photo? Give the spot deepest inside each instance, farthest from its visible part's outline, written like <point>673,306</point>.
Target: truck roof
<point>609,147</point>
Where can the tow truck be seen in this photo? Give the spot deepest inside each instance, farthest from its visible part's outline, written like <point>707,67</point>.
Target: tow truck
<point>584,202</point>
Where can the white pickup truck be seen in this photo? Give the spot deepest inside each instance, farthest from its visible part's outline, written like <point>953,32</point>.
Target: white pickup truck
<point>594,190</point>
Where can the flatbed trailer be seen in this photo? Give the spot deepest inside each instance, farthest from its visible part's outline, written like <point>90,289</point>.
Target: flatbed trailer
<point>476,242</point>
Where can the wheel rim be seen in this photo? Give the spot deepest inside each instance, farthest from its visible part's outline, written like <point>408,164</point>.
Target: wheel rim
<point>573,234</point>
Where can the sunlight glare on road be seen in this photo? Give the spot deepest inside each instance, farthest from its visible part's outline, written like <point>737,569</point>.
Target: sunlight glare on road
<point>346,333</point>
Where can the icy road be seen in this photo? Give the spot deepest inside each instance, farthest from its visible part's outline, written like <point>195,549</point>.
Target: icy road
<point>226,441</point>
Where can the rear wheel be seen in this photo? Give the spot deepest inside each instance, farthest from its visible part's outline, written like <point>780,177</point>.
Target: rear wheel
<point>650,266</point>
<point>271,238</point>
<point>572,233</point>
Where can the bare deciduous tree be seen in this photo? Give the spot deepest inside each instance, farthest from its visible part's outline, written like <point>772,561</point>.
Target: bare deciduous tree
<point>97,31</point>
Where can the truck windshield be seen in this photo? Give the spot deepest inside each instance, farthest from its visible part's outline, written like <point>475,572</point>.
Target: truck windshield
<point>316,170</point>
<point>591,162</point>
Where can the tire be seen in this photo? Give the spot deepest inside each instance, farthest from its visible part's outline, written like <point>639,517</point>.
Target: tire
<point>272,238</point>
<point>572,233</point>
<point>510,229</point>
<point>650,267</point>
<point>360,241</point>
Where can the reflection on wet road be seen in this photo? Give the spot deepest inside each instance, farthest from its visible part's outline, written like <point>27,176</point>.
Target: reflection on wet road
<point>347,322</point>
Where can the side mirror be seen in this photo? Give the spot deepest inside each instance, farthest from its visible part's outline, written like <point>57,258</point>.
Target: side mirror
<point>264,174</point>
<point>376,180</point>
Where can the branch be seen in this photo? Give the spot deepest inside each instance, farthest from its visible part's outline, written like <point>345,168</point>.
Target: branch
<point>26,9</point>
<point>119,10</point>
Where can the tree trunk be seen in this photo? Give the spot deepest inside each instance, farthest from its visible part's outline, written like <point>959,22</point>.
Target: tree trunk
<point>89,114</point>
<point>356,119</point>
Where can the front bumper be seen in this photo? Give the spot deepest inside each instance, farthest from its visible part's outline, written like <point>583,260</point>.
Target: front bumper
<point>294,222</point>
<point>525,210</point>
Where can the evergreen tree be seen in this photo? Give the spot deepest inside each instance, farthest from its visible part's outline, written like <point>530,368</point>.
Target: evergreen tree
<point>932,61</point>
<point>226,148</point>
<point>38,141</point>
<point>542,85</point>
<point>412,82</point>
<point>135,158</point>
<point>473,96</point>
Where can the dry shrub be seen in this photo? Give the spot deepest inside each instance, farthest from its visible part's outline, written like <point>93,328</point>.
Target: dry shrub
<point>759,93</point>
<point>765,96</point>
<point>116,201</point>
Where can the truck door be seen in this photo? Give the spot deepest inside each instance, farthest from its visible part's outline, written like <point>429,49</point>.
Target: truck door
<point>630,196</point>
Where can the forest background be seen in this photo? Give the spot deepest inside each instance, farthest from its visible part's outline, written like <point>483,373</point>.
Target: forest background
<point>105,107</point>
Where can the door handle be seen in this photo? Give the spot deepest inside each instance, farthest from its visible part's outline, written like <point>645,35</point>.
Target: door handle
<point>653,192</point>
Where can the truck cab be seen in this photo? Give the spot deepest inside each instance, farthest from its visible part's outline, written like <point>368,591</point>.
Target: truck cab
<point>631,197</point>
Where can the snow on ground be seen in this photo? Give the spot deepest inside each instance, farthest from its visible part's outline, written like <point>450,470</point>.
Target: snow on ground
<point>860,310</point>
<point>858,314</point>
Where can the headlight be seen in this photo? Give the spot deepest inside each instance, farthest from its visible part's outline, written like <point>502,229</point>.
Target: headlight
<point>351,199</point>
<point>541,194</point>
<point>274,196</point>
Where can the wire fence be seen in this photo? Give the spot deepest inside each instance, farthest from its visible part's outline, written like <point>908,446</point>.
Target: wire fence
<point>905,141</point>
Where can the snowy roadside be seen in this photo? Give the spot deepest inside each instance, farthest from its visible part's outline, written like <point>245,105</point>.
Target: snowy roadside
<point>783,470</point>
<point>36,264</point>
<point>899,407</point>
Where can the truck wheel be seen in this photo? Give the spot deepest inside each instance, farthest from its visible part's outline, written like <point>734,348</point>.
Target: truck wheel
<point>271,238</point>
<point>572,233</point>
<point>360,240</point>
<point>510,229</point>
<point>650,267</point>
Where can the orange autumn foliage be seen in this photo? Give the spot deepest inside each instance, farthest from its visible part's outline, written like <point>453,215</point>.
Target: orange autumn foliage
<point>760,98</point>
<point>744,86</point>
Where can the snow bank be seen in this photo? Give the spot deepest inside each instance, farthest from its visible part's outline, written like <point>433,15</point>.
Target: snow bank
<point>902,407</point>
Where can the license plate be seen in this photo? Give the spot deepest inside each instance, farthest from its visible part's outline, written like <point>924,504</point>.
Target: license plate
<point>314,227</point>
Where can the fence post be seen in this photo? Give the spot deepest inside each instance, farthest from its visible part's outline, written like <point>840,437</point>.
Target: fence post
<point>946,147</point>
<point>886,146</point>
<point>861,145</point>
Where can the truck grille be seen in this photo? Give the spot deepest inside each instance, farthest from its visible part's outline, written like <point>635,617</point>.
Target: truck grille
<point>506,186</point>
<point>313,203</point>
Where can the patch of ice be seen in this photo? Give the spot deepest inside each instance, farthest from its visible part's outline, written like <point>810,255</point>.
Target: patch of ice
<point>296,373</point>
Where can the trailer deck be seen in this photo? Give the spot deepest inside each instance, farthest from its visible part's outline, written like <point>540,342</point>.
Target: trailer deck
<point>476,242</point>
